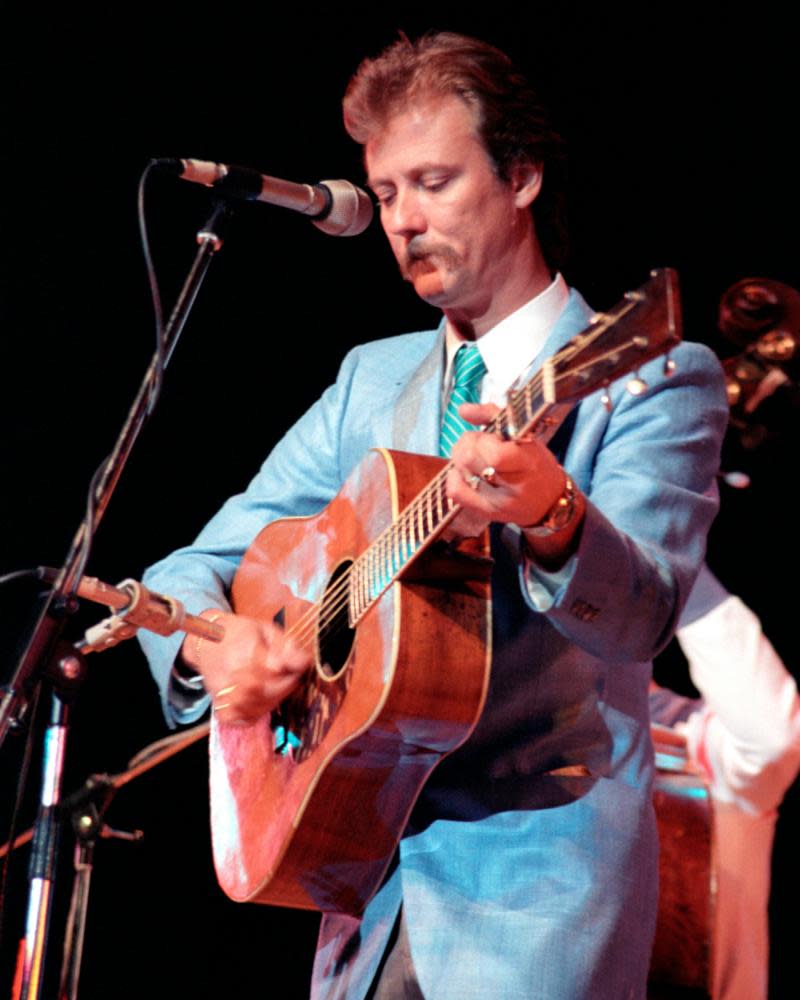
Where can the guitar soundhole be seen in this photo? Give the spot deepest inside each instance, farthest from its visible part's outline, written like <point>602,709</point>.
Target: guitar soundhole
<point>334,635</point>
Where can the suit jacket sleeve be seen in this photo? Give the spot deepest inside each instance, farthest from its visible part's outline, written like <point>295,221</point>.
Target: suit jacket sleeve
<point>299,477</point>
<point>648,469</point>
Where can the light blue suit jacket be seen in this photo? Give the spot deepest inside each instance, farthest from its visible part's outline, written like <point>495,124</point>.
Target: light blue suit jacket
<point>515,882</point>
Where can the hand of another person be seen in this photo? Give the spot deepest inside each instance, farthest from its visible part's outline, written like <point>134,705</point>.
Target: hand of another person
<point>251,670</point>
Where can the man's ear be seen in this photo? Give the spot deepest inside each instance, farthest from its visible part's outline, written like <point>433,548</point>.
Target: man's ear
<point>526,182</point>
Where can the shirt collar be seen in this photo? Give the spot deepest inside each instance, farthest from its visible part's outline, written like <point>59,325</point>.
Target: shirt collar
<point>509,347</point>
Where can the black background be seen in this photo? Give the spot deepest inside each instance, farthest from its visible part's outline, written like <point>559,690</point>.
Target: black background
<point>680,129</point>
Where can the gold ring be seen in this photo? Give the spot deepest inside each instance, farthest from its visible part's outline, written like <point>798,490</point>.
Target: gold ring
<point>218,706</point>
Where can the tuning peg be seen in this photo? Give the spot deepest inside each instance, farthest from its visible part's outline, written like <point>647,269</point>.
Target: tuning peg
<point>670,367</point>
<point>636,386</point>
<point>605,399</point>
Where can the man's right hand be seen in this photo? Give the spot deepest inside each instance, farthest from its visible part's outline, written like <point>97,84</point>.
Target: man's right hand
<point>251,670</point>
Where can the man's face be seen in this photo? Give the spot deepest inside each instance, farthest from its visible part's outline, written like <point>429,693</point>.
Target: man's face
<point>456,229</point>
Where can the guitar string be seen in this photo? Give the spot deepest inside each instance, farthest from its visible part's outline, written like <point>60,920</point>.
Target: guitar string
<point>313,623</point>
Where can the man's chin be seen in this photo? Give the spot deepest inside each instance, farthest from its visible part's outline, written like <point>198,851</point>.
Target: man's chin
<point>428,284</point>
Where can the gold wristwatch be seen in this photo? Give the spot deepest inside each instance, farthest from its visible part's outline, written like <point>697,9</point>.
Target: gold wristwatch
<point>559,515</point>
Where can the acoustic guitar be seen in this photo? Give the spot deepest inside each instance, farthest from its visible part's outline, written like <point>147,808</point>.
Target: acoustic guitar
<point>307,806</point>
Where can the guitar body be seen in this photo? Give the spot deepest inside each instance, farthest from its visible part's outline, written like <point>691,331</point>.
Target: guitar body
<point>307,807</point>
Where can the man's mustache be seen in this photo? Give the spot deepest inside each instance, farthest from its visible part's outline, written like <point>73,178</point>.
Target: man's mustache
<point>421,250</point>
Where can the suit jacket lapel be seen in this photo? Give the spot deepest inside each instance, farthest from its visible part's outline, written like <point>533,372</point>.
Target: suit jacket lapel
<point>418,415</point>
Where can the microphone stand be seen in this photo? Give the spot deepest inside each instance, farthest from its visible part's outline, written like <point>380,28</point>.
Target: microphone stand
<point>88,806</point>
<point>43,656</point>
<point>86,809</point>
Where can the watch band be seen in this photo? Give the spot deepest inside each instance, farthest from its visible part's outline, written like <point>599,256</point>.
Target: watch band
<point>559,515</point>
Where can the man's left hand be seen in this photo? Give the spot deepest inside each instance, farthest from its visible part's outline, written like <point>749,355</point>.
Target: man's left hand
<point>512,482</point>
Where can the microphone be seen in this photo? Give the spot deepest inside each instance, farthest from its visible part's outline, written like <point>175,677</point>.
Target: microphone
<point>336,207</point>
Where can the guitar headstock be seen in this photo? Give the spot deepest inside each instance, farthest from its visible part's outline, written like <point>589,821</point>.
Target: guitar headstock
<point>643,325</point>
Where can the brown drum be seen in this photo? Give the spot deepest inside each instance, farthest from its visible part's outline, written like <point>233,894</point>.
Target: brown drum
<point>681,962</point>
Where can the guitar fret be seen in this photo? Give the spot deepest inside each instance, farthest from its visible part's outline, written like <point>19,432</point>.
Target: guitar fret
<point>386,559</point>
<point>371,569</point>
<point>390,548</point>
<point>363,581</point>
<point>504,425</point>
<point>397,557</point>
<point>409,534</point>
<point>356,596</point>
<point>378,563</point>
<point>367,584</point>
<point>360,584</point>
<point>394,555</point>
<point>518,404</point>
<point>527,400</point>
<point>354,589</point>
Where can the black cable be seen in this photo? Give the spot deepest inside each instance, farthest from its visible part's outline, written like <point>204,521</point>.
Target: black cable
<point>20,788</point>
<point>20,574</point>
<point>157,377</point>
<point>155,292</point>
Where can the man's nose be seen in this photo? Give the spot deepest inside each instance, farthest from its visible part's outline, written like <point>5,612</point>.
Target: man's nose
<point>404,216</point>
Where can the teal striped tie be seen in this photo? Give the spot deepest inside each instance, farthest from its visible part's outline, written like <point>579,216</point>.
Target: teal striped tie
<point>468,370</point>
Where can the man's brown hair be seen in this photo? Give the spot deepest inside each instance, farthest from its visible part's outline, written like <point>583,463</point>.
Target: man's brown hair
<point>511,120</point>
